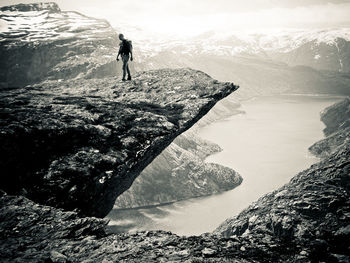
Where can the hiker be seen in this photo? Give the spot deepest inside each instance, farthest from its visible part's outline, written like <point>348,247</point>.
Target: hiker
<point>124,50</point>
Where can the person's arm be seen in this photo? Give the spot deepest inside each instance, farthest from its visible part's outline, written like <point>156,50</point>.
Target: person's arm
<point>120,48</point>
<point>131,57</point>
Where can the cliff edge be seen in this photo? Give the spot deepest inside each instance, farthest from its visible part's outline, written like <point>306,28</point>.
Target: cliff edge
<point>81,143</point>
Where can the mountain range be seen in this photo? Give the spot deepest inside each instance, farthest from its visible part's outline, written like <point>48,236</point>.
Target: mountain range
<point>323,49</point>
<point>74,137</point>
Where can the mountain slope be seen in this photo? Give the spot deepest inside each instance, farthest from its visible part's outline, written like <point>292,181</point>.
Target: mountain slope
<point>320,49</point>
<point>40,42</point>
<point>258,76</point>
<point>337,120</point>
<point>179,173</point>
<point>292,61</point>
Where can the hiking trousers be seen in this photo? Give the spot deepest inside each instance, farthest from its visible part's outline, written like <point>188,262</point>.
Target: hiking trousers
<point>125,59</point>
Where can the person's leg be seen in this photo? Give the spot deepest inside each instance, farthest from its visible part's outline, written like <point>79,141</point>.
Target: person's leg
<point>125,59</point>
<point>124,68</point>
<point>128,70</point>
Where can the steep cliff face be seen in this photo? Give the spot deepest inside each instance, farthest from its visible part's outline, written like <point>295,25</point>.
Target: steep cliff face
<point>39,42</point>
<point>337,121</point>
<point>79,144</point>
<point>307,218</point>
<point>179,173</point>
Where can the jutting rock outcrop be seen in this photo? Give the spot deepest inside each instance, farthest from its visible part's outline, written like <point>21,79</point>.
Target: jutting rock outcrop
<point>40,42</point>
<point>81,143</point>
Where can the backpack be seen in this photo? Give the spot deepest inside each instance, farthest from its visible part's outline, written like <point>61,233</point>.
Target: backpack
<point>126,47</point>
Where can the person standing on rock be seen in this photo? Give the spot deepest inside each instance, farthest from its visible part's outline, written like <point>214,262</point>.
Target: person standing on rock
<point>125,51</point>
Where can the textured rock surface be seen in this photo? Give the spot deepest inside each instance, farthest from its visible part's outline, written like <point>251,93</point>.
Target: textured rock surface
<point>39,42</point>
<point>310,216</point>
<point>305,221</point>
<point>337,121</point>
<point>36,233</point>
<point>179,173</point>
<point>80,144</point>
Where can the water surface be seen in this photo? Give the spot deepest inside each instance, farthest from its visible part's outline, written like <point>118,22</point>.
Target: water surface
<point>267,145</point>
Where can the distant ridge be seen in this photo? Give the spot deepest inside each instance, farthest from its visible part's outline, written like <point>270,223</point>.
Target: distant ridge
<point>51,6</point>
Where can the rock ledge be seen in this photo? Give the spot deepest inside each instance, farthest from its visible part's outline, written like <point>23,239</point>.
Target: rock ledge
<point>81,143</point>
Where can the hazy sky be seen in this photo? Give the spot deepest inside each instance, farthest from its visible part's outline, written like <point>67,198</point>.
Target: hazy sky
<point>195,16</point>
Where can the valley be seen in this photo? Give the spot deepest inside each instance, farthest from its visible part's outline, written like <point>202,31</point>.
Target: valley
<point>210,135</point>
<point>267,143</point>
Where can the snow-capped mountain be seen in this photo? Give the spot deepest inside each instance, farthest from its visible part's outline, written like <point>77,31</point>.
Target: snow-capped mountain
<point>319,49</point>
<point>39,41</point>
<point>294,61</point>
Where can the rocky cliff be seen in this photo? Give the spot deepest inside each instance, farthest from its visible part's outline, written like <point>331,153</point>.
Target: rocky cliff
<point>39,42</point>
<point>308,218</point>
<point>36,233</point>
<point>337,121</point>
<point>79,144</point>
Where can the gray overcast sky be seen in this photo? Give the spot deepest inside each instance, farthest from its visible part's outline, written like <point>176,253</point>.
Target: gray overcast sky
<point>188,16</point>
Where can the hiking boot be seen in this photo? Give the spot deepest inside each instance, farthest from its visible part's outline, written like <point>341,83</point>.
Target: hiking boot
<point>129,77</point>
<point>123,79</point>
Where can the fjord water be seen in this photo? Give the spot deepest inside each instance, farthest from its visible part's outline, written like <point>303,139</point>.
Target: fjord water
<point>267,145</point>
